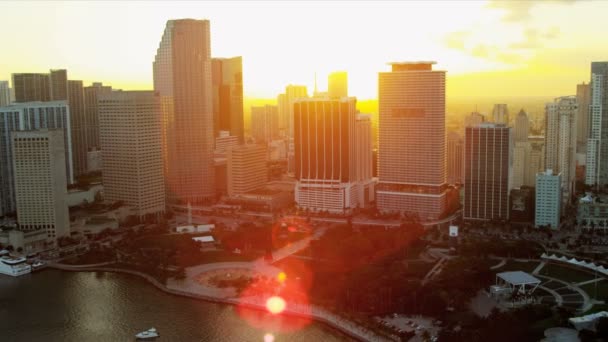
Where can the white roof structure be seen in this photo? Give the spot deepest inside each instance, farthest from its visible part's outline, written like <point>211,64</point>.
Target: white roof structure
<point>204,238</point>
<point>518,278</point>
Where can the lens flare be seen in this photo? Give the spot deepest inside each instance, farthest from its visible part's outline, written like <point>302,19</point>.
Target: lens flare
<point>275,305</point>
<point>269,338</point>
<point>281,277</point>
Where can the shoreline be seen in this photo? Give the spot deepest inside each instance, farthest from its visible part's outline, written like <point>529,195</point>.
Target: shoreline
<point>234,302</point>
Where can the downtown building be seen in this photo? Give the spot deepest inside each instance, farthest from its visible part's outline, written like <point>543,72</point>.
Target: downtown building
<point>264,123</point>
<point>560,141</point>
<point>522,127</point>
<point>91,114</point>
<point>285,107</point>
<point>548,199</point>
<point>412,141</point>
<point>455,158</point>
<point>227,81</point>
<point>500,114</point>
<point>333,155</point>
<point>487,176</point>
<point>247,168</point>
<point>337,85</point>
<point>5,94</point>
<point>130,138</point>
<point>40,185</point>
<point>183,79</point>
<point>596,165</point>
<point>26,117</point>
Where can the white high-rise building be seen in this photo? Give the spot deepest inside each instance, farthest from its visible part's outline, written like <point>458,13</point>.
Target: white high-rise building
<point>522,127</point>
<point>247,168</point>
<point>548,199</point>
<point>596,166</point>
<point>38,165</point>
<point>412,141</point>
<point>182,78</point>
<point>130,138</point>
<point>5,94</point>
<point>27,116</point>
<point>500,114</point>
<point>560,141</point>
<point>333,155</point>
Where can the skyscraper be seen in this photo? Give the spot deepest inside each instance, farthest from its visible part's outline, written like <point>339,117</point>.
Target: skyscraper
<point>596,166</point>
<point>500,114</point>
<point>521,158</point>
<point>92,113</point>
<point>455,157</point>
<point>412,158</point>
<point>337,84</point>
<point>583,97</point>
<point>24,117</point>
<point>38,165</point>
<point>78,126</point>
<point>264,123</point>
<point>285,103</point>
<point>548,199</point>
<point>130,137</point>
<point>474,119</point>
<point>182,77</point>
<point>560,141</point>
<point>227,79</point>
<point>332,154</point>
<point>31,87</point>
<point>522,127</point>
<point>5,94</point>
<point>58,84</point>
<point>535,159</point>
<point>487,176</point>
<point>247,168</point>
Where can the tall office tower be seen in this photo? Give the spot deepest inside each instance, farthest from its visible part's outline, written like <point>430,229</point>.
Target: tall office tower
<point>412,158</point>
<point>548,199</point>
<point>455,156</point>
<point>264,123</point>
<point>474,119</point>
<point>285,104</point>
<point>488,172</point>
<point>30,87</point>
<point>337,84</point>
<point>182,77</point>
<point>78,126</point>
<point>38,165</point>
<point>5,94</point>
<point>91,113</point>
<point>500,114</point>
<point>522,127</point>
<point>227,79</point>
<point>535,159</point>
<point>326,150</point>
<point>130,137</point>
<point>521,156</point>
<point>560,141</point>
<point>25,117</point>
<point>224,141</point>
<point>583,97</point>
<point>58,84</point>
<point>247,168</point>
<point>596,166</point>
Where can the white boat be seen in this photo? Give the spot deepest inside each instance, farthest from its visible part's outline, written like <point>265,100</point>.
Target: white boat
<point>14,266</point>
<point>149,334</point>
<point>37,265</point>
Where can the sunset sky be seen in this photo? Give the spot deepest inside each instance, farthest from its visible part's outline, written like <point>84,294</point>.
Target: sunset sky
<point>488,48</point>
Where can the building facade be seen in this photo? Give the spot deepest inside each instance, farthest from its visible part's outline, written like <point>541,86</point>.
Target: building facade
<point>285,107</point>
<point>227,80</point>
<point>337,84</point>
<point>583,98</point>
<point>29,87</point>
<point>182,76</point>
<point>332,154</point>
<point>412,141</point>
<point>247,168</point>
<point>500,114</point>
<point>560,141</point>
<point>596,165</point>
<point>130,138</point>
<point>78,126</point>
<point>522,127</point>
<point>548,199</point>
<point>25,117</point>
<point>264,123</point>
<point>91,94</point>
<point>5,94</point>
<point>488,172</point>
<point>455,157</point>
<point>40,183</point>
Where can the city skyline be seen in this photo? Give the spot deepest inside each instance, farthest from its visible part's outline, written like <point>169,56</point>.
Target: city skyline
<point>517,41</point>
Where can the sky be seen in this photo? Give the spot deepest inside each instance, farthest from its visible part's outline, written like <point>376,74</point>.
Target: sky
<point>488,48</point>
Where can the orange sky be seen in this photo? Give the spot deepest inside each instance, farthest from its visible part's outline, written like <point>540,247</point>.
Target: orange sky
<point>488,48</point>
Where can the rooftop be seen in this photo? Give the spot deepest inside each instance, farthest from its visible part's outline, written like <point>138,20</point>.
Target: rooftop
<point>518,278</point>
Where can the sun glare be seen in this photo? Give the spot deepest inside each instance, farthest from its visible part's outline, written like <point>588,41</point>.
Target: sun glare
<point>275,305</point>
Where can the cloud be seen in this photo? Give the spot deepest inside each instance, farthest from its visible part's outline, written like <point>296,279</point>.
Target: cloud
<point>456,40</point>
<point>519,11</point>
<point>535,38</point>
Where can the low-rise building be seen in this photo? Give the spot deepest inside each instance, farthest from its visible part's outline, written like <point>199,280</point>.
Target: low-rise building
<point>592,212</point>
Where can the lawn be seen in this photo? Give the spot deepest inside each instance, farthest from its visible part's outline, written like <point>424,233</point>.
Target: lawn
<point>567,274</point>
